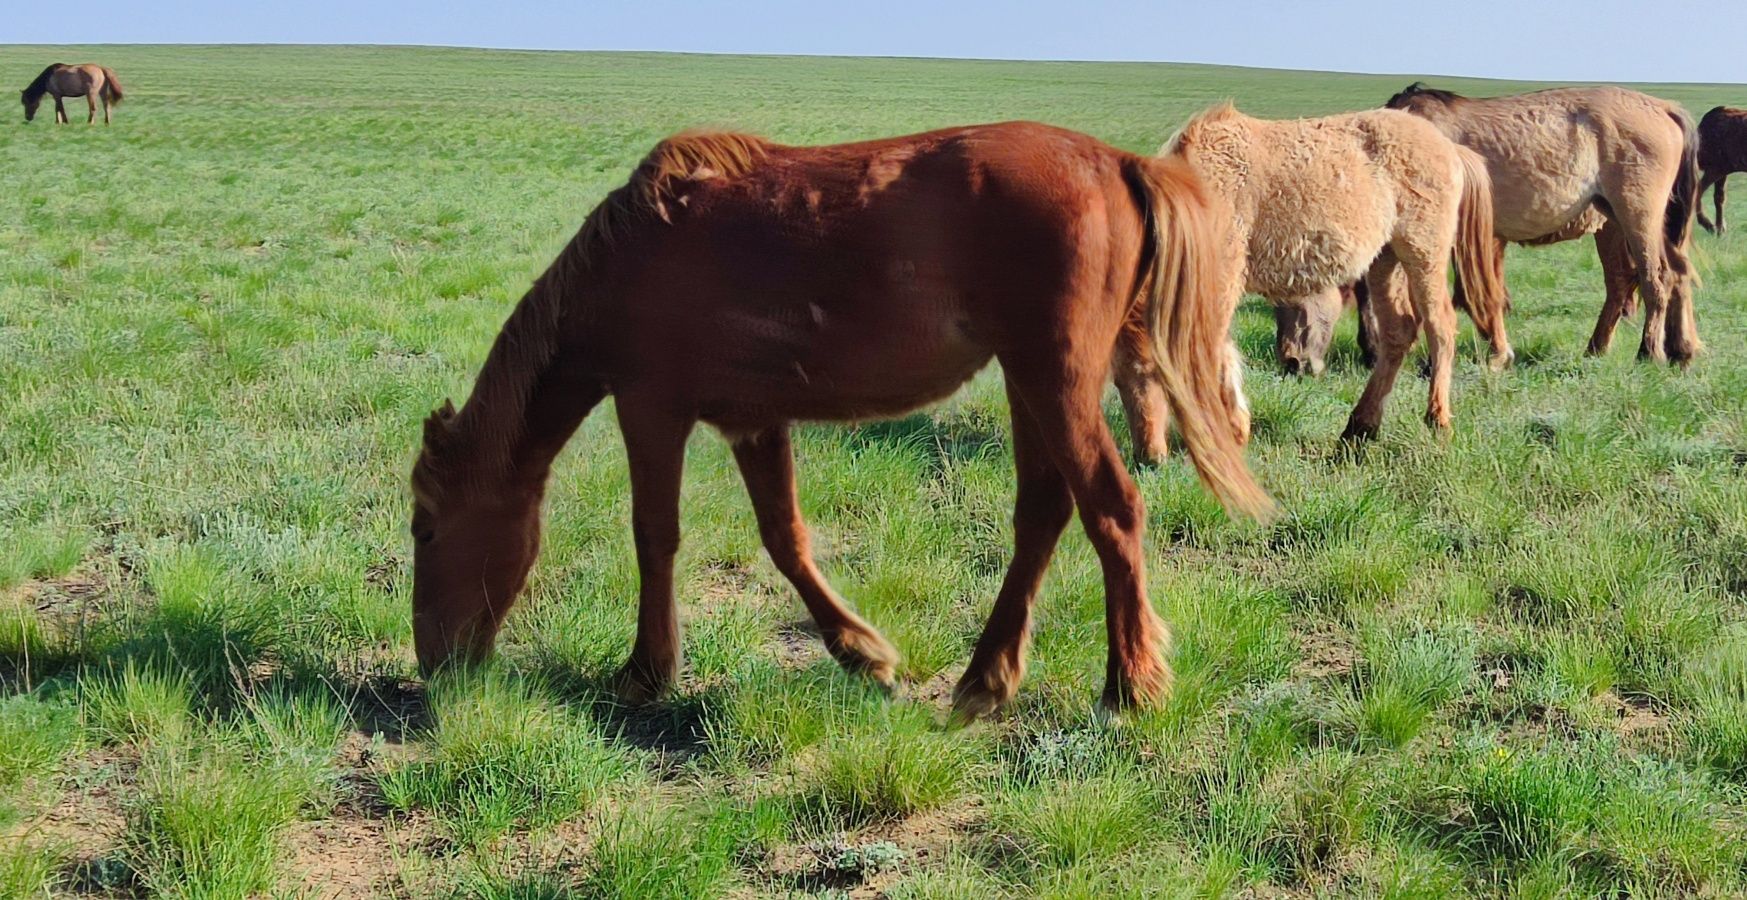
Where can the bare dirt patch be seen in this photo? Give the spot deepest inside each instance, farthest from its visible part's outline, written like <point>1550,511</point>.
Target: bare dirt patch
<point>85,821</point>
<point>922,840</point>
<point>1324,653</point>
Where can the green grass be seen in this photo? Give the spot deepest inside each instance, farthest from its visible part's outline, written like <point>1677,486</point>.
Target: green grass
<point>1510,662</point>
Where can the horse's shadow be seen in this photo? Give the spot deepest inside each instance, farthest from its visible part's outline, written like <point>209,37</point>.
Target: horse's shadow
<point>675,728</point>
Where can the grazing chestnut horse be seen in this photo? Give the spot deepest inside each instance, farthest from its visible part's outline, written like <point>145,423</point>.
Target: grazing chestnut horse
<point>93,82</point>
<point>749,285</point>
<point>1604,160</point>
<point>1316,204</point>
<point>1722,151</point>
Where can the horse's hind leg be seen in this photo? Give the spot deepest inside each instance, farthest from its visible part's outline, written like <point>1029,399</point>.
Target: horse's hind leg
<point>1437,315</point>
<point>655,448</point>
<point>1621,278</point>
<point>1717,199</point>
<point>1061,395</point>
<point>1041,509</point>
<point>767,464</point>
<point>1395,327</point>
<point>1705,184</point>
<point>91,108</point>
<point>1143,396</point>
<point>1638,203</point>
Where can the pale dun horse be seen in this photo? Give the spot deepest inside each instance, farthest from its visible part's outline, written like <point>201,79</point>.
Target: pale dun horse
<point>1604,160</point>
<point>1319,203</point>
<point>748,285</point>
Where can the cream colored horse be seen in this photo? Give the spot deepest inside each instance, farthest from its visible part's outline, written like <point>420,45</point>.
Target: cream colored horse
<point>1319,203</point>
<point>1601,160</point>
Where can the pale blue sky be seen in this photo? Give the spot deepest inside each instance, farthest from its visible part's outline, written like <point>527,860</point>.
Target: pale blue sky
<point>1621,40</point>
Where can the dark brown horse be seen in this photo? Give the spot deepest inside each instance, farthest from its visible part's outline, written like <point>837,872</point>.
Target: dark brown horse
<point>1722,150</point>
<point>93,82</point>
<point>750,285</point>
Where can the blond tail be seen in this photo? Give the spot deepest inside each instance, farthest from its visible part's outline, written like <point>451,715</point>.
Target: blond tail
<point>1479,256</point>
<point>1190,322</point>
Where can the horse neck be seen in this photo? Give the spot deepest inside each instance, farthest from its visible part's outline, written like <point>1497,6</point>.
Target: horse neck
<point>1450,119</point>
<point>530,396</point>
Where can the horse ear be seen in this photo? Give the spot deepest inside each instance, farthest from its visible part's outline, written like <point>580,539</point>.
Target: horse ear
<point>437,426</point>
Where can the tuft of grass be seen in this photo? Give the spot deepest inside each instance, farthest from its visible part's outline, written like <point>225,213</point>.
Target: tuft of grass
<point>1065,822</point>
<point>657,853</point>
<point>891,765</point>
<point>1407,677</point>
<point>138,706</point>
<point>36,734</point>
<point>208,823</point>
<point>43,552</point>
<point>502,756</point>
<point>29,871</point>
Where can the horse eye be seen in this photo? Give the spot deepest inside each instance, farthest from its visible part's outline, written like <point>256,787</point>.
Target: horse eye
<point>423,535</point>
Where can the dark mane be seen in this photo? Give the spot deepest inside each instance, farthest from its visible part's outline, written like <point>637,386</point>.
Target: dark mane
<point>41,84</point>
<point>1419,89</point>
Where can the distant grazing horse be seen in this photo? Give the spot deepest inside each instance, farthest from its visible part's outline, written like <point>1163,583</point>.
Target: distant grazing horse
<point>749,285</point>
<point>1603,160</point>
<point>93,82</point>
<point>1722,150</point>
<point>1318,203</point>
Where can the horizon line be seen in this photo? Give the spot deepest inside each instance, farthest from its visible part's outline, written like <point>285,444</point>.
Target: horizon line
<point>867,56</point>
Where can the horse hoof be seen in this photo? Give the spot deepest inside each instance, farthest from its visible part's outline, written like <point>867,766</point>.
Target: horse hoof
<point>866,653</point>
<point>636,685</point>
<point>978,697</point>
<point>1358,433</point>
<point>1502,361</point>
<point>1146,689</point>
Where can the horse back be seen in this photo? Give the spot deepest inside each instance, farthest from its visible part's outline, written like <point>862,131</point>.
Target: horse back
<point>1317,198</point>
<point>863,279</point>
<point>1722,140</point>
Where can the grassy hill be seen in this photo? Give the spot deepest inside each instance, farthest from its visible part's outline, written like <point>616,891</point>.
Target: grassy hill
<point>1509,662</point>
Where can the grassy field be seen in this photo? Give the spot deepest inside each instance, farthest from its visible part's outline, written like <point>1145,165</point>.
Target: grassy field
<point>1511,662</point>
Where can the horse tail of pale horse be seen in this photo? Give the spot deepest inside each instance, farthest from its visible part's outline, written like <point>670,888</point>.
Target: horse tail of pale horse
<point>1183,280</point>
<point>1479,256</point>
<point>1683,197</point>
<point>111,86</point>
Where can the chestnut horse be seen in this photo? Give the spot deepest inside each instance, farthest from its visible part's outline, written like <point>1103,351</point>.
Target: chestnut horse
<point>1319,202</point>
<point>1604,160</point>
<point>749,285</point>
<point>1722,151</point>
<point>93,82</point>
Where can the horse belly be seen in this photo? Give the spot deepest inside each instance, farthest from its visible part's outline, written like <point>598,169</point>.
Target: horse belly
<point>1318,223</point>
<point>856,354</point>
<point>1533,199</point>
<point>1288,260</point>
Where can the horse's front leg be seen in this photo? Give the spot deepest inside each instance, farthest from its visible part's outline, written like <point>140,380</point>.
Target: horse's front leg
<point>1304,327</point>
<point>1394,332</point>
<point>767,463</point>
<point>60,112</point>
<point>655,449</point>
